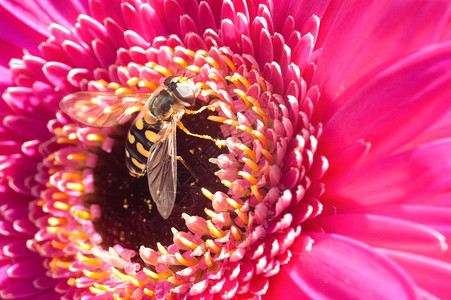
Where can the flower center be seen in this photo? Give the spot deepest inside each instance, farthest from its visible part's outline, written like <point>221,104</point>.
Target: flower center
<point>129,217</point>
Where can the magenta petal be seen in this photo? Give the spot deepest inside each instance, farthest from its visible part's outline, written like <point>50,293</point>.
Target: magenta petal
<point>401,101</point>
<point>366,33</point>
<point>386,232</point>
<point>430,274</point>
<point>339,268</point>
<point>409,176</point>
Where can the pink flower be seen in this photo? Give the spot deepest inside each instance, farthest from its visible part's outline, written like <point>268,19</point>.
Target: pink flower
<point>329,176</point>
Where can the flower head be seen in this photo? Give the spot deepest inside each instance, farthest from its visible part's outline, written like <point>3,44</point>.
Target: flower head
<point>317,150</point>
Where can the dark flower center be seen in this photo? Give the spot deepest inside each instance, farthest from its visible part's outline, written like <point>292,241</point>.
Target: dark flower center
<point>129,217</point>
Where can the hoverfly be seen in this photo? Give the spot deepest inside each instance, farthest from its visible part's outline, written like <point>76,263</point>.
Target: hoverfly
<point>151,142</point>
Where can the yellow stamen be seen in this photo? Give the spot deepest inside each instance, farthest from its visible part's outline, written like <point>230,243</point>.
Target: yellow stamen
<point>149,292</point>
<point>262,114</point>
<point>61,205</point>
<point>253,101</point>
<point>162,249</point>
<point>63,140</point>
<point>72,176</point>
<point>256,193</point>
<point>94,274</point>
<point>223,120</point>
<point>183,261</point>
<point>82,157</point>
<point>52,229</point>
<point>75,186</point>
<point>235,232</point>
<point>227,183</point>
<point>188,243</point>
<point>248,176</point>
<point>216,77</point>
<point>247,151</point>
<point>82,245</point>
<point>243,96</point>
<point>212,62</point>
<point>56,221</point>
<point>208,260</point>
<point>268,156</point>
<point>210,213</point>
<point>71,281</point>
<point>125,277</point>
<point>81,214</point>
<point>114,85</point>
<point>194,69</point>
<point>154,275</point>
<point>210,244</point>
<point>59,195</point>
<point>95,137</point>
<point>133,81</point>
<point>229,63</point>
<point>162,70</point>
<point>251,164</point>
<point>201,52</point>
<point>207,193</point>
<point>148,84</point>
<point>94,290</point>
<point>123,90</point>
<point>72,136</point>
<point>261,137</point>
<point>101,286</point>
<point>233,203</point>
<point>58,245</point>
<point>180,61</point>
<point>215,231</point>
<point>242,216</point>
<point>102,82</point>
<point>91,261</point>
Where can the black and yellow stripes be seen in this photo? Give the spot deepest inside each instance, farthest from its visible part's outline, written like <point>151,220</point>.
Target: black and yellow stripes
<point>142,135</point>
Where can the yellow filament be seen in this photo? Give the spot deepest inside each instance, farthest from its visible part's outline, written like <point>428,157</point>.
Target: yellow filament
<point>183,261</point>
<point>72,176</point>
<point>75,186</point>
<point>61,205</point>
<point>212,62</point>
<point>180,61</point>
<point>123,90</point>
<point>149,292</point>
<point>242,216</point>
<point>208,260</point>
<point>207,193</point>
<point>114,85</point>
<point>248,176</point>
<point>56,221</point>
<point>101,286</point>
<point>154,275</point>
<point>94,274</point>
<point>262,114</point>
<point>91,261</point>
<point>223,120</point>
<point>50,229</point>
<point>194,69</point>
<point>261,137</point>
<point>162,249</point>
<point>82,245</point>
<point>210,213</point>
<point>81,157</point>
<point>227,183</point>
<point>201,52</point>
<point>58,245</point>
<point>247,151</point>
<point>72,136</point>
<point>95,137</point>
<point>251,164</point>
<point>256,193</point>
<point>94,290</point>
<point>268,156</point>
<point>128,278</point>
<point>133,81</point>
<point>162,70</point>
<point>233,203</point>
<point>215,231</point>
<point>63,140</point>
<point>188,243</point>
<point>148,84</point>
<point>229,63</point>
<point>82,214</point>
<point>235,232</point>
<point>210,244</point>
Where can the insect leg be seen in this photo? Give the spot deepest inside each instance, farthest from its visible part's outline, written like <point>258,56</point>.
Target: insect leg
<point>211,107</point>
<point>202,136</point>
<point>179,158</point>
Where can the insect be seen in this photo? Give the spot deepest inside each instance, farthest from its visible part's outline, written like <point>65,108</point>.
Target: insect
<point>151,142</point>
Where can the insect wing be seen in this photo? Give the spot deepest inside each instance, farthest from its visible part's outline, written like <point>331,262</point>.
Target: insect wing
<point>162,170</point>
<point>102,109</point>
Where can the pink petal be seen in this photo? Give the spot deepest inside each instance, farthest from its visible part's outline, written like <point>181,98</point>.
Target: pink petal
<point>339,268</point>
<point>409,176</point>
<point>401,100</point>
<point>364,34</point>
<point>430,274</point>
<point>386,232</point>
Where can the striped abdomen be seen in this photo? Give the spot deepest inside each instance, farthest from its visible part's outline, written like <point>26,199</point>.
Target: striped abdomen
<point>142,135</point>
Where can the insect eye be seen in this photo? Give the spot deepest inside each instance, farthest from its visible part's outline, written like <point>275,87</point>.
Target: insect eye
<point>185,93</point>
<point>169,80</point>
